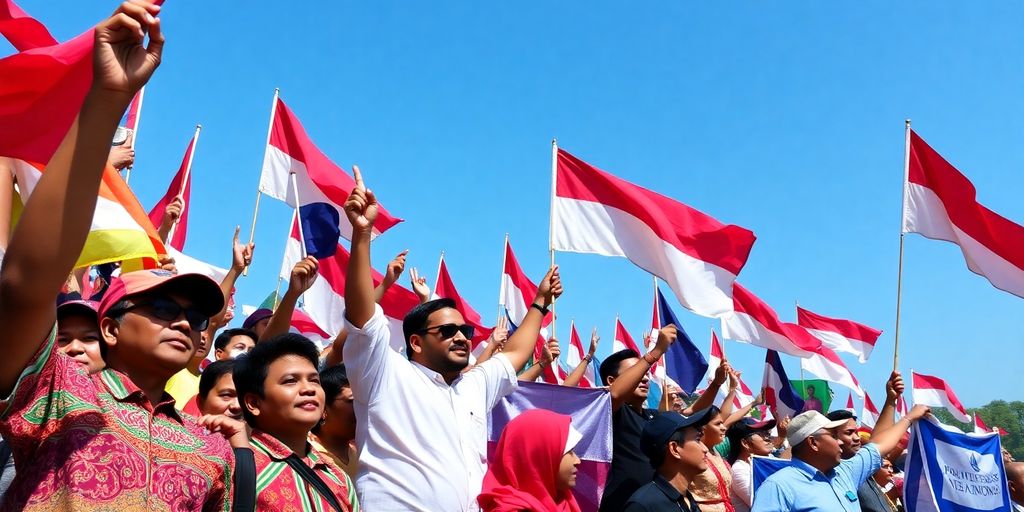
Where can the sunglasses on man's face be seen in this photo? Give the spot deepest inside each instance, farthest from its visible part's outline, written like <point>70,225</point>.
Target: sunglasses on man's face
<point>446,331</point>
<point>168,310</point>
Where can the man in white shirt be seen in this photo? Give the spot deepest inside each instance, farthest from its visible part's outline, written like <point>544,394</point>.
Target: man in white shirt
<point>422,421</point>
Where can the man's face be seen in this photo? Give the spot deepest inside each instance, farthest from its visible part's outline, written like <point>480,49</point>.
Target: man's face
<point>142,340</point>
<point>759,443</point>
<point>810,391</point>
<point>848,435</point>
<point>78,336</point>
<point>292,401</point>
<point>691,452</point>
<point>828,445</point>
<point>640,392</point>
<point>238,344</point>
<point>439,353</point>
<point>222,399</point>
<point>884,474</point>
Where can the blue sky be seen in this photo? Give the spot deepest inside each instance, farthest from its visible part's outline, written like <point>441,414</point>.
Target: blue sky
<point>784,118</point>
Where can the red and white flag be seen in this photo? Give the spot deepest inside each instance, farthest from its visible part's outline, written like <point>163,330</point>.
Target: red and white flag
<point>981,428</point>
<point>901,406</point>
<point>849,404</point>
<point>717,356</point>
<point>517,291</point>
<point>941,203</point>
<point>303,324</point>
<point>623,340</point>
<point>597,213</point>
<point>323,187</point>
<point>444,287</point>
<point>935,392</point>
<point>839,335</point>
<point>181,186</point>
<point>753,321</point>
<point>826,364</point>
<point>575,356</point>
<point>869,414</point>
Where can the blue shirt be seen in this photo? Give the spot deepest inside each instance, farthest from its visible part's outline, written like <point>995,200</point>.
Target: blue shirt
<point>801,488</point>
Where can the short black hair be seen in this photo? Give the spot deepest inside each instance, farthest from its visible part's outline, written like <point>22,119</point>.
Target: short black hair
<point>225,337</point>
<point>251,369</point>
<point>333,380</point>
<point>213,372</point>
<point>416,319</point>
<point>841,414</point>
<point>610,366</point>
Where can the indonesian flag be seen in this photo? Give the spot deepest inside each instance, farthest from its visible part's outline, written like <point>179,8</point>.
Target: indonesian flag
<point>825,363</point>
<point>444,287</point>
<point>981,428</point>
<point>324,302</point>
<point>597,213</point>
<point>849,404</point>
<point>303,324</point>
<point>717,356</point>
<point>941,203</point>
<point>323,187</point>
<point>181,185</point>
<point>575,356</point>
<point>869,414</point>
<point>741,398</point>
<point>753,321</point>
<point>134,113</point>
<point>517,292</point>
<point>901,406</point>
<point>779,394</point>
<point>623,340</point>
<point>935,392</point>
<point>839,335</point>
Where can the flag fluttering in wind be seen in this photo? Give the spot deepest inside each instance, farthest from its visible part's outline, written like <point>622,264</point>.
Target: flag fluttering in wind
<point>941,203</point>
<point>869,414</point>
<point>684,362</point>
<point>181,186</point>
<point>839,335</point>
<point>22,30</point>
<point>623,340</point>
<point>696,255</point>
<point>753,321</point>
<point>935,392</point>
<point>825,363</point>
<point>981,428</point>
<point>849,404</point>
<point>323,187</point>
<point>445,288</point>
<point>575,356</point>
<point>779,394</point>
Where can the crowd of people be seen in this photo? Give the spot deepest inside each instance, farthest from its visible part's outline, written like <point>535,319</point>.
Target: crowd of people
<point>110,404</point>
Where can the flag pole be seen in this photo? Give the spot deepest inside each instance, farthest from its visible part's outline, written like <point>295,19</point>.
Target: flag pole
<point>903,220</point>
<point>280,278</point>
<point>803,380</point>
<point>185,178</point>
<point>501,288</point>
<point>551,223</point>
<point>259,193</point>
<point>135,132</point>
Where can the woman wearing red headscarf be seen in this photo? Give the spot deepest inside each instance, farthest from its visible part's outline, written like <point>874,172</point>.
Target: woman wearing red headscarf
<point>534,466</point>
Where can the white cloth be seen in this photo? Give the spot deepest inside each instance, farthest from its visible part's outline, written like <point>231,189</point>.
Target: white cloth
<point>422,443</point>
<point>742,485</point>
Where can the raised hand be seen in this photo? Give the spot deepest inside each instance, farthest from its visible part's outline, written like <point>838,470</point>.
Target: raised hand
<point>500,333</point>
<point>361,207</point>
<point>918,411</point>
<point>734,380</point>
<point>667,336</point>
<point>121,65</point>
<point>419,285</point>
<point>594,338</point>
<point>396,266</point>
<point>167,263</point>
<point>721,373</point>
<point>121,156</point>
<point>241,254</point>
<point>783,426</point>
<point>554,349</point>
<point>303,274</point>
<point>550,288</point>
<point>894,387</point>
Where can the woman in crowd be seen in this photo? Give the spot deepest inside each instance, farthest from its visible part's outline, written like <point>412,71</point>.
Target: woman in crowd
<point>711,488</point>
<point>335,435</point>
<point>747,438</point>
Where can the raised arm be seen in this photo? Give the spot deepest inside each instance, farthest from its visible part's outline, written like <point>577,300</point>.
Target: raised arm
<point>302,277</point>
<point>496,340</point>
<point>241,257</point>
<point>6,201</point>
<point>743,411</point>
<point>172,212</point>
<point>335,354</point>
<point>395,268</point>
<point>576,376</point>
<point>549,356</point>
<point>893,390</point>
<point>734,384</point>
<point>622,387</point>
<point>361,210</point>
<point>520,345</point>
<point>887,439</point>
<point>419,285</point>
<point>708,398</point>
<point>61,205</point>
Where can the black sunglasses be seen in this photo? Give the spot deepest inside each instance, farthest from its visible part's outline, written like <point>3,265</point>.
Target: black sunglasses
<point>449,330</point>
<point>168,310</point>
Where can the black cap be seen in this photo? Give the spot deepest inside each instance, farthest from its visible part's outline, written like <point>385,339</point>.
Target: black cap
<point>743,428</point>
<point>657,431</point>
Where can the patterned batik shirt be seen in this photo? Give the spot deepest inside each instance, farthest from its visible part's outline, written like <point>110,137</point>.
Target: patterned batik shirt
<point>281,489</point>
<point>95,442</point>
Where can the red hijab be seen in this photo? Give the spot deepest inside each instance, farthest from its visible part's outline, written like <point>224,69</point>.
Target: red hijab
<point>523,473</point>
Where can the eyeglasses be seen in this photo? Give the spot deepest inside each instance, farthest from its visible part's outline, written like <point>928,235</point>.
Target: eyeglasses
<point>449,330</point>
<point>762,434</point>
<point>168,310</point>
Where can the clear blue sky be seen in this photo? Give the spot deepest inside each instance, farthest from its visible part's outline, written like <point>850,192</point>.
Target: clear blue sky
<point>786,119</point>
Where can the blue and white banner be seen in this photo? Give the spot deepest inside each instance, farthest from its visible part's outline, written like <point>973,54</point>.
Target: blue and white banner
<point>949,471</point>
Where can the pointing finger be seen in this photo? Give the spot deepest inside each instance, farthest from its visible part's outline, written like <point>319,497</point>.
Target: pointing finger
<point>358,176</point>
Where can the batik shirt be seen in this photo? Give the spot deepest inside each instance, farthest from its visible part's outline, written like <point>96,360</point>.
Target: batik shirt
<point>95,442</point>
<point>280,488</point>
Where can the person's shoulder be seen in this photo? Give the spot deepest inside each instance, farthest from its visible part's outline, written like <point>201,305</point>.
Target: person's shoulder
<point>645,496</point>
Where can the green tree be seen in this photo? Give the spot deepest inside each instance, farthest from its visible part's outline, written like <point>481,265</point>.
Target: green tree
<point>1008,416</point>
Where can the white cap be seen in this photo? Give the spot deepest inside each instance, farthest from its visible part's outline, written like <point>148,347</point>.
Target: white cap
<point>805,424</point>
<point>573,439</point>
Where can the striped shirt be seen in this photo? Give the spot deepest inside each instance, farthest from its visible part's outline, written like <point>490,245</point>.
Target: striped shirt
<point>280,488</point>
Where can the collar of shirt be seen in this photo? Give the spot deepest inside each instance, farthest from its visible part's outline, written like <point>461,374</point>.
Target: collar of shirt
<point>810,471</point>
<point>277,450</point>
<point>666,487</point>
<point>434,376</point>
<point>124,390</point>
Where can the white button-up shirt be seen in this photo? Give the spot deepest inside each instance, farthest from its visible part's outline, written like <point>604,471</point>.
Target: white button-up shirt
<point>422,443</point>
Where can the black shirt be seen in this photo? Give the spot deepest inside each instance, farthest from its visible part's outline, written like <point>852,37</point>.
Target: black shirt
<point>659,496</point>
<point>630,467</point>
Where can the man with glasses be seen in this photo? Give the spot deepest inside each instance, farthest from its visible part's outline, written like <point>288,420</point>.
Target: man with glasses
<point>819,480</point>
<point>422,426</point>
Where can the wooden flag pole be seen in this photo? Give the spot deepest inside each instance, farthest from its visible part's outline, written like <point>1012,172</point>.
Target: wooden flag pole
<point>184,180</point>
<point>259,192</point>
<point>903,219</point>
<point>551,223</point>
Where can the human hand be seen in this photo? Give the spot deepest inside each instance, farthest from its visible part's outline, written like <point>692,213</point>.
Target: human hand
<point>233,430</point>
<point>167,263</point>
<point>241,254</point>
<point>303,275</point>
<point>361,208</point>
<point>783,426</point>
<point>419,285</point>
<point>172,212</point>
<point>918,411</point>
<point>550,288</point>
<point>721,373</point>
<point>894,387</point>
<point>121,156</point>
<point>500,333</point>
<point>553,349</point>
<point>121,65</point>
<point>734,380</point>
<point>395,267</point>
<point>594,338</point>
<point>666,337</point>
